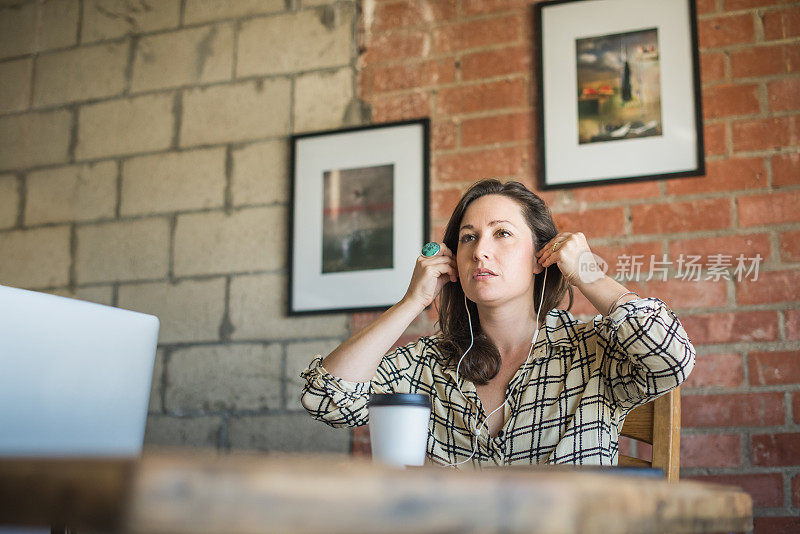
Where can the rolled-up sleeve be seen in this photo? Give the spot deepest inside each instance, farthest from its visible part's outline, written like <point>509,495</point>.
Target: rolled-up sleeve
<point>342,403</point>
<point>644,351</point>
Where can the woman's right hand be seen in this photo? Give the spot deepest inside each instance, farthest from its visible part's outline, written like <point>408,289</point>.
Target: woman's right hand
<point>430,275</point>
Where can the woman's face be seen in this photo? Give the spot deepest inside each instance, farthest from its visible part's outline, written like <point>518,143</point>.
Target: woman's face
<point>494,236</point>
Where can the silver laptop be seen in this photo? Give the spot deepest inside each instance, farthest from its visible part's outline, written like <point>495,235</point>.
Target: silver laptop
<point>74,376</point>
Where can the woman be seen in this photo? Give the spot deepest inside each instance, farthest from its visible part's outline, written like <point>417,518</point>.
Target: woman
<point>512,378</point>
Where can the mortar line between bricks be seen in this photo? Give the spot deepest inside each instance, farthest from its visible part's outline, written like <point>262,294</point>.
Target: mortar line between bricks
<point>737,470</point>
<point>664,243</point>
<point>762,97</point>
<point>746,367</point>
<point>73,258</point>
<point>165,214</point>
<point>758,24</point>
<point>462,84</point>
<point>455,55</point>
<point>729,148</point>
<point>183,345</point>
<point>782,323</point>
<point>167,359</point>
<point>159,215</point>
<point>161,91</point>
<point>746,438</point>
<point>32,88</point>
<point>227,203</point>
<point>775,512</point>
<point>182,14</point>
<point>744,154</point>
<point>744,431</point>
<point>354,55</point>
<point>173,224</point>
<point>787,397</point>
<point>292,88</point>
<point>249,17</point>
<point>237,27</point>
<point>226,326</point>
<point>730,292</point>
<point>37,30</point>
<point>727,66</point>
<point>772,511</point>
<point>473,149</point>
<point>231,412</point>
<point>738,390</point>
<point>152,153</point>
<point>118,200</point>
<point>73,133</point>
<point>130,60</point>
<point>768,171</point>
<point>195,277</point>
<point>627,221</point>
<point>158,385</point>
<point>22,200</point>
<point>747,10</point>
<point>177,118</point>
<point>79,29</point>
<point>787,490</point>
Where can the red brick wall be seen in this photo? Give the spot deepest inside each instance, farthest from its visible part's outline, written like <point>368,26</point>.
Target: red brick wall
<point>466,64</point>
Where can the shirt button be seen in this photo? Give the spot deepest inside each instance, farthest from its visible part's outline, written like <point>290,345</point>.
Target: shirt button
<point>500,434</point>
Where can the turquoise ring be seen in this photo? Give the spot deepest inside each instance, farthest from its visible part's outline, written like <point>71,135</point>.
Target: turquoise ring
<point>430,249</point>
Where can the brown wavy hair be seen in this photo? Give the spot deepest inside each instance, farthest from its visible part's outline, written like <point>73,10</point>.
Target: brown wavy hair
<point>482,363</point>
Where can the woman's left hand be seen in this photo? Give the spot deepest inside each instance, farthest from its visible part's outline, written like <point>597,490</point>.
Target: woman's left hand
<point>571,252</point>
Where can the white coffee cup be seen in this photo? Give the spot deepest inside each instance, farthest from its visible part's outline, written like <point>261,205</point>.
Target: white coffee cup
<point>398,428</point>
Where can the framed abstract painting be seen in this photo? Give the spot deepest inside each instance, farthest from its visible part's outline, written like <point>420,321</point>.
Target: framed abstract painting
<point>359,215</point>
<point>618,91</point>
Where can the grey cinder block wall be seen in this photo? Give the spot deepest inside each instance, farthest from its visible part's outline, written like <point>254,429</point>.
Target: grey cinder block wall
<point>144,164</point>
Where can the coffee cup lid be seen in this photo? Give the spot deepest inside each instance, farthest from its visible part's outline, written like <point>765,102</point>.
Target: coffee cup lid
<point>399,399</point>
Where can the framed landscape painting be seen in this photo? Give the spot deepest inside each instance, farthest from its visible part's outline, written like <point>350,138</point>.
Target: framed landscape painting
<point>359,216</point>
<point>619,91</point>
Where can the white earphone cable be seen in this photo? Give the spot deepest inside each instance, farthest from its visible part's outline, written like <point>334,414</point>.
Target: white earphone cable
<point>477,429</point>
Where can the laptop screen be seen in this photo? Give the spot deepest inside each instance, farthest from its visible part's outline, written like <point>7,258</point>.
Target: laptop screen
<point>75,377</point>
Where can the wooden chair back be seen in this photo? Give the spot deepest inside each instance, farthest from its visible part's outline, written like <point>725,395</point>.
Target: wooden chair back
<point>658,423</point>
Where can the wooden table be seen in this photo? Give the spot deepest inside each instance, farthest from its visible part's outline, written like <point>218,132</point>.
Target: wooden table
<point>206,493</point>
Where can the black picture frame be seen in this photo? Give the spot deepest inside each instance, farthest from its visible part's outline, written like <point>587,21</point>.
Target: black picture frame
<point>353,189</point>
<point>588,133</point>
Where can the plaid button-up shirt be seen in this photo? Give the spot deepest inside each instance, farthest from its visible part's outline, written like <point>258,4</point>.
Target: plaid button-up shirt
<point>567,401</point>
